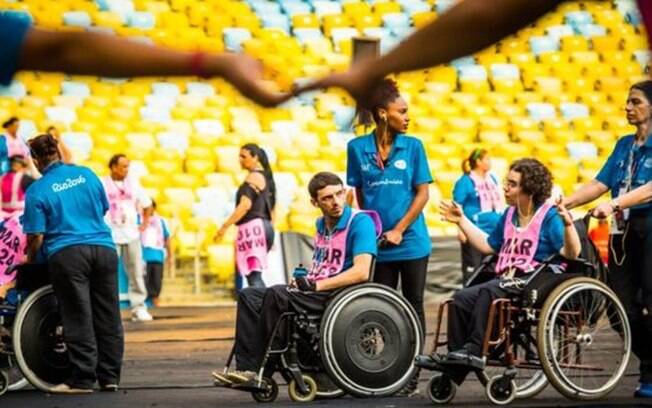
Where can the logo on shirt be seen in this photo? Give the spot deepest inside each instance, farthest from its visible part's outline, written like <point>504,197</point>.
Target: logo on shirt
<point>384,182</point>
<point>647,163</point>
<point>400,164</point>
<point>365,167</point>
<point>69,183</point>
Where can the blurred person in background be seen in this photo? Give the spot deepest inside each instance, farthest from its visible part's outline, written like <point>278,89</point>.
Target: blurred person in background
<point>157,251</point>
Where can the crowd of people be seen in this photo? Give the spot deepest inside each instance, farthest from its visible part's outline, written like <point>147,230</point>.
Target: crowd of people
<point>387,169</point>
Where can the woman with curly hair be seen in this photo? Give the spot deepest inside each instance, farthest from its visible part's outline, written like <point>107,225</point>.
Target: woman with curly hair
<point>390,173</point>
<point>530,230</point>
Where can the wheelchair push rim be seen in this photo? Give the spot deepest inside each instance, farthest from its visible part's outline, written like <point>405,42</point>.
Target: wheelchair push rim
<point>370,337</point>
<point>585,338</point>
<point>38,342</point>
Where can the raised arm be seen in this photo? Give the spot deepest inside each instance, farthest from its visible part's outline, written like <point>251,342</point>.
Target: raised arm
<point>451,212</point>
<point>89,53</point>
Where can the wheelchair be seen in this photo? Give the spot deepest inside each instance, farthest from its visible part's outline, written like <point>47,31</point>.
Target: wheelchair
<point>32,348</point>
<point>364,345</point>
<point>565,327</point>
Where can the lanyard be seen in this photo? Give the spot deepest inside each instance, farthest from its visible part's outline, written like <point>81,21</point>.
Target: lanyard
<point>632,166</point>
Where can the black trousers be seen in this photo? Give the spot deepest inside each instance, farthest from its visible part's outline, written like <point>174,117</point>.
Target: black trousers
<point>630,277</point>
<point>259,309</point>
<point>468,315</point>
<point>471,259</point>
<point>413,281</point>
<point>85,282</point>
<point>154,279</point>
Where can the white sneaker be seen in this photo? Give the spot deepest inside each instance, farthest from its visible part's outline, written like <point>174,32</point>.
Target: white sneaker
<point>141,315</point>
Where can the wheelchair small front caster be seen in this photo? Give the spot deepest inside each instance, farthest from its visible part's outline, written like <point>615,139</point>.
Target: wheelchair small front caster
<point>441,389</point>
<point>501,390</point>
<point>297,395</point>
<point>270,392</point>
<point>4,382</point>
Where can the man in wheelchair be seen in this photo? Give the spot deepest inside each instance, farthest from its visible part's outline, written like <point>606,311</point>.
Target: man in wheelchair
<point>529,232</point>
<point>345,245</point>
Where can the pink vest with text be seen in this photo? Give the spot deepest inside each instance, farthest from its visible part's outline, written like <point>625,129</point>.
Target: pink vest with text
<point>152,236</point>
<point>251,247</point>
<point>520,244</point>
<point>488,193</point>
<point>12,247</point>
<point>120,199</point>
<point>330,250</point>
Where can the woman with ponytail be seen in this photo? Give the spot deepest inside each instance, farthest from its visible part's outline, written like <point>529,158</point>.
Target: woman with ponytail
<point>390,173</point>
<point>479,195</point>
<point>255,201</point>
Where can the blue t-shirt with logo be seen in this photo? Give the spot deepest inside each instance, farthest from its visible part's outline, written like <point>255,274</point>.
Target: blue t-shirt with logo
<point>466,195</point>
<point>390,189</point>
<point>361,238</point>
<point>12,31</point>
<point>614,172</point>
<point>67,205</point>
<point>551,237</point>
<point>156,255</point>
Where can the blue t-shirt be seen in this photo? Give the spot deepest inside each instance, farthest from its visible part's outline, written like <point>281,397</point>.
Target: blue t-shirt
<point>614,172</point>
<point>67,205</point>
<point>12,32</point>
<point>361,238</point>
<point>156,255</point>
<point>466,195</point>
<point>551,237</point>
<point>391,190</point>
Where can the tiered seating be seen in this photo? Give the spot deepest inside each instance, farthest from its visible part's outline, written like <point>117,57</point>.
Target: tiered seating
<point>554,90</point>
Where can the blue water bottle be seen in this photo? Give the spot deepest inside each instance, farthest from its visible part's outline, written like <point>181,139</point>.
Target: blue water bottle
<point>300,272</point>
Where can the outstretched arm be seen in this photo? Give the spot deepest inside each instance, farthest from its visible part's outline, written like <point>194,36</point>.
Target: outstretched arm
<point>89,53</point>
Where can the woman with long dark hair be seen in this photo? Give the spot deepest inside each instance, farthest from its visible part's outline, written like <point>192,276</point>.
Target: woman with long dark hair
<point>478,193</point>
<point>255,202</point>
<point>390,173</point>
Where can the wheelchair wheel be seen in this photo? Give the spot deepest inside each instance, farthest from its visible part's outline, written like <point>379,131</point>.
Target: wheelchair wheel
<point>326,389</point>
<point>501,390</point>
<point>4,382</point>
<point>38,341</point>
<point>370,336</point>
<point>269,395</point>
<point>16,379</point>
<point>295,393</point>
<point>441,389</point>
<point>584,339</point>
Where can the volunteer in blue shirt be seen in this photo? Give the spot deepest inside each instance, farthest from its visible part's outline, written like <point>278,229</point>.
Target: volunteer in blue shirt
<point>64,214</point>
<point>25,47</point>
<point>479,195</point>
<point>389,171</point>
<point>630,262</point>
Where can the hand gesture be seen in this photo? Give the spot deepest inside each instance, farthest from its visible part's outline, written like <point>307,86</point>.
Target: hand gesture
<point>602,211</point>
<point>564,213</point>
<point>450,212</point>
<point>246,73</point>
<point>394,237</point>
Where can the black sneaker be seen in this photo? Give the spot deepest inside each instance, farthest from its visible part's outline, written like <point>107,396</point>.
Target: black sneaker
<point>411,388</point>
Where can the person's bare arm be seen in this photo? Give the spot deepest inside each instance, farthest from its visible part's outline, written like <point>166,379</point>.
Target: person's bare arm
<point>477,238</point>
<point>640,195</point>
<point>395,235</point>
<point>34,242</point>
<point>240,211</point>
<point>467,27</point>
<point>89,53</point>
<point>358,273</point>
<point>585,194</point>
<point>572,245</point>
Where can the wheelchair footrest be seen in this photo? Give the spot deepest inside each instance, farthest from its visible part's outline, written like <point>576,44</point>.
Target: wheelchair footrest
<point>429,362</point>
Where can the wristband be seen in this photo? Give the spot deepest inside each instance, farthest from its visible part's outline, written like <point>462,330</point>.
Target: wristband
<point>615,206</point>
<point>197,65</point>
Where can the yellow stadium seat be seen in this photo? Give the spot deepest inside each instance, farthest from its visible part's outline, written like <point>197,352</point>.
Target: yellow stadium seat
<point>227,158</point>
<point>331,21</point>
<point>353,9</point>
<point>553,58</point>
<point>585,125</point>
<point>363,21</point>
<point>585,57</point>
<point>385,7</point>
<point>493,137</point>
<point>574,43</point>
<point>423,18</point>
<point>305,21</point>
<point>199,166</point>
<point>493,123</point>
<point>221,262</point>
<point>508,110</point>
<point>605,43</point>
<point>530,137</point>
<point>155,181</point>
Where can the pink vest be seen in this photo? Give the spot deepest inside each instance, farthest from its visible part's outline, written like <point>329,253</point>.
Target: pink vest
<point>330,250</point>
<point>15,147</point>
<point>251,247</point>
<point>12,247</point>
<point>13,196</point>
<point>520,244</point>
<point>152,236</point>
<point>119,200</point>
<point>488,193</point>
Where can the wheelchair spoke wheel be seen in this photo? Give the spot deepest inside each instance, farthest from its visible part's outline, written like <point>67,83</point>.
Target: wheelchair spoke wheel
<point>269,395</point>
<point>441,389</point>
<point>326,389</point>
<point>297,395</point>
<point>38,341</point>
<point>585,337</point>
